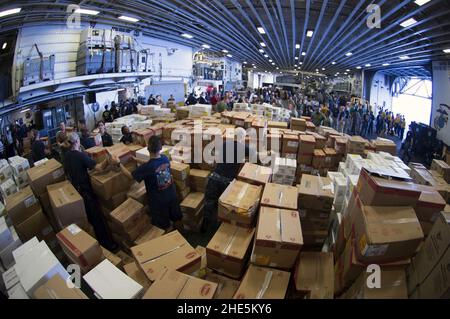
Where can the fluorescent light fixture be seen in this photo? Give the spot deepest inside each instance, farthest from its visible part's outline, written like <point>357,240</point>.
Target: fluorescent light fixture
<point>206,46</point>
<point>345,73</point>
<point>87,11</point>
<point>404,57</point>
<point>225,51</point>
<point>337,73</point>
<point>295,65</point>
<point>278,68</point>
<point>26,110</point>
<point>333,63</point>
<point>297,46</point>
<point>254,67</point>
<point>261,30</point>
<point>245,62</point>
<point>317,70</point>
<point>261,50</point>
<point>348,70</point>
<point>446,51</point>
<point>323,69</point>
<point>386,64</point>
<point>309,33</point>
<point>301,63</point>
<point>273,63</point>
<point>349,54</point>
<point>187,35</point>
<point>4,45</point>
<point>270,61</point>
<point>368,65</point>
<point>296,58</point>
<point>421,2</point>
<point>408,23</point>
<point>130,19</point>
<point>9,12</point>
<point>358,67</point>
<point>229,55</point>
<point>266,56</point>
<point>303,53</point>
<point>263,44</point>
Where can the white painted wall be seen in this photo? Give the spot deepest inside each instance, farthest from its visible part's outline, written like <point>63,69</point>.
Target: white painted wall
<point>441,95</point>
<point>380,92</point>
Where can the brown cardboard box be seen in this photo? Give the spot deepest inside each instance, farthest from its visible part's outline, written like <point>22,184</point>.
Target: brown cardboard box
<point>109,183</point>
<point>149,234</point>
<point>437,284</point>
<point>314,275</point>
<point>386,234</point>
<point>180,171</point>
<point>198,180</point>
<point>307,144</point>
<point>56,288</point>
<point>97,153</point>
<point>139,194</point>
<point>255,174</point>
<point>226,287</point>
<point>330,158</point>
<point>280,196</point>
<point>263,283</point>
<point>36,225</point>
<point>429,205</point>
<point>377,191</point>
<point>115,260</point>
<point>170,251</point>
<point>299,124</point>
<point>182,193</point>
<point>48,173</point>
<point>136,273</point>
<point>80,247</point>
<point>278,238</point>
<point>305,159</point>
<point>126,259</point>
<point>238,203</point>
<point>290,143</point>
<point>442,168</point>
<point>67,204</point>
<point>128,214</point>
<point>192,203</point>
<point>181,185</point>
<point>175,285</point>
<point>314,192</point>
<point>131,233</point>
<point>121,152</point>
<point>114,201</point>
<point>274,124</point>
<point>340,145</point>
<point>433,248</point>
<point>319,159</point>
<point>228,251</point>
<point>21,205</point>
<point>392,286</point>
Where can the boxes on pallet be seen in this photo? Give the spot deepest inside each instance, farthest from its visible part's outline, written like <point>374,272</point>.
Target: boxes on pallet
<point>6,256</point>
<point>80,247</point>
<point>198,180</point>
<point>56,288</point>
<point>255,174</point>
<point>314,275</point>
<point>5,171</point>
<point>50,172</point>
<point>278,238</point>
<point>238,203</point>
<point>67,205</point>
<point>351,163</point>
<point>175,285</point>
<point>314,192</point>
<point>284,171</point>
<point>108,282</point>
<point>170,251</point>
<point>226,287</point>
<point>263,283</point>
<point>8,188</point>
<point>280,196</point>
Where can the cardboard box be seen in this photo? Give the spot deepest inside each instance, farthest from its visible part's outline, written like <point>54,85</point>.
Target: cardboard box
<point>36,225</point>
<point>121,152</point>
<point>318,160</point>
<point>198,180</point>
<point>314,192</point>
<point>437,285</point>
<point>429,205</point>
<point>109,183</point>
<point>50,172</point>
<point>114,201</point>
<point>263,283</point>
<point>136,273</point>
<point>128,214</point>
<point>108,282</point>
<point>170,251</point>
<point>97,153</point>
<point>392,286</point>
<point>180,171</point>
<point>377,191</point>
<point>278,238</point>
<point>6,256</point>
<point>139,194</point>
<point>192,203</point>
<point>238,203</point>
<point>21,205</point>
<point>80,247</point>
<point>307,144</point>
<point>226,287</point>
<point>182,193</point>
<point>8,188</point>
<point>255,174</point>
<point>172,284</point>
<point>314,275</point>
<point>228,251</point>
<point>56,288</point>
<point>290,143</point>
<point>386,234</point>
<point>149,234</point>
<point>280,196</point>
<point>67,204</point>
<point>442,168</point>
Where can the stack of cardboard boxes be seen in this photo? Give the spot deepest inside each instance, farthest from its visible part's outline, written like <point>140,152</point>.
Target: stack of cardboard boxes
<point>284,171</point>
<point>180,174</point>
<point>19,167</point>
<point>9,241</point>
<point>192,210</point>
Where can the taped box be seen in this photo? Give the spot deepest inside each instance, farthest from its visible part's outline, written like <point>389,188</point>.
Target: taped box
<point>238,203</point>
<point>229,250</point>
<point>170,251</point>
<point>198,179</point>
<point>180,171</point>
<point>172,284</point>
<point>280,196</point>
<point>39,177</point>
<point>109,183</point>
<point>56,288</point>
<point>255,174</point>
<point>314,192</point>
<point>263,283</point>
<point>192,203</point>
<point>136,273</point>
<point>226,287</point>
<point>127,215</point>
<point>278,238</point>
<point>21,205</point>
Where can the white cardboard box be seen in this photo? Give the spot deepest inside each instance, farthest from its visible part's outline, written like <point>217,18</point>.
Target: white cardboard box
<point>108,282</point>
<point>8,187</point>
<point>18,164</point>
<point>25,248</point>
<point>10,278</point>
<point>6,255</point>
<point>18,292</point>
<point>6,237</point>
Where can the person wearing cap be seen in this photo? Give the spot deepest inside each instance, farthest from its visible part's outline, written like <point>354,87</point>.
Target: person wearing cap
<point>76,166</point>
<point>160,186</point>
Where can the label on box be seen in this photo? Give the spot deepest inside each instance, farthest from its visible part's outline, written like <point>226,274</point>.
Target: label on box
<point>292,144</point>
<point>58,173</point>
<point>31,200</point>
<point>74,229</point>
